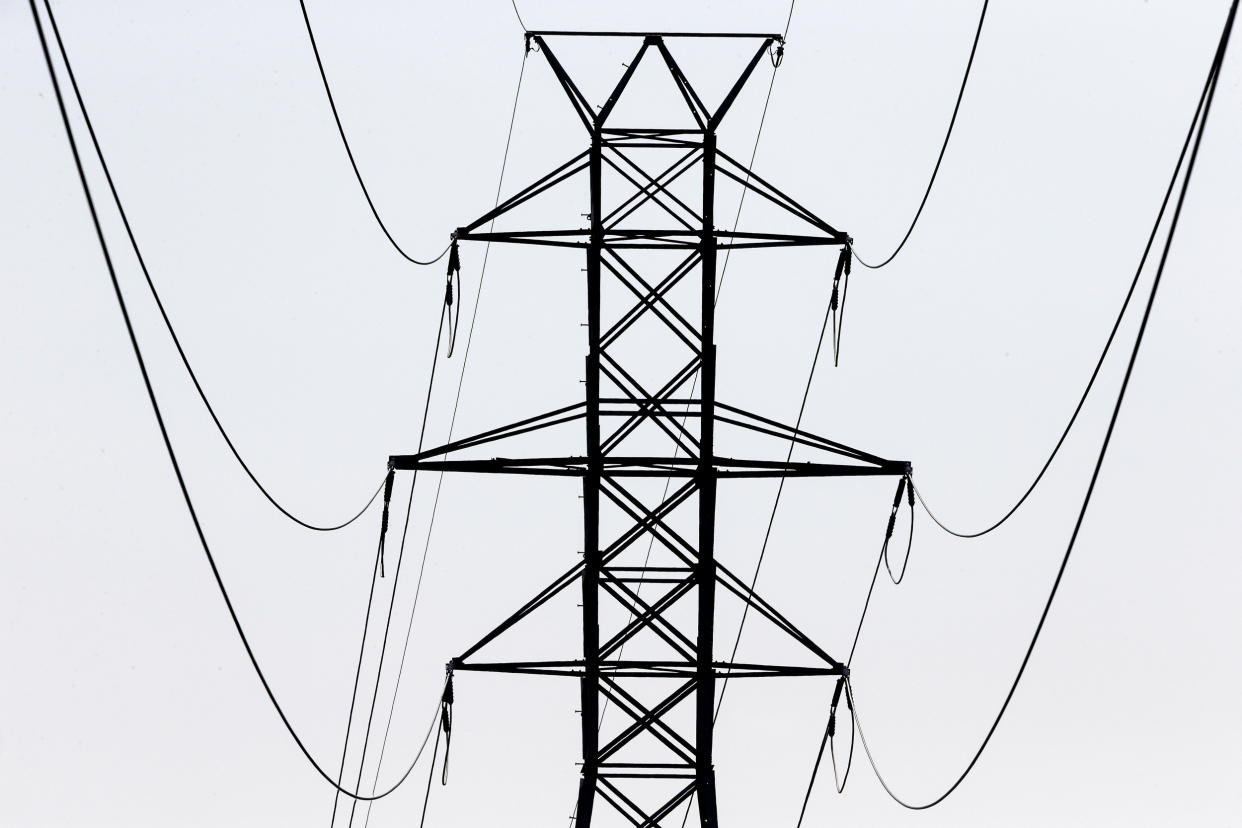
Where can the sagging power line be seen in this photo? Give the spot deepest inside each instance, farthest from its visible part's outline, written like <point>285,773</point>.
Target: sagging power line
<point>167,440</point>
<point>353,162</point>
<point>1196,129</point>
<point>465,360</point>
<point>163,312</point>
<point>944,145</point>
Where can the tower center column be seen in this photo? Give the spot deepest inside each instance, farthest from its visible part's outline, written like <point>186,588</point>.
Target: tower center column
<point>590,501</point>
<point>705,774</point>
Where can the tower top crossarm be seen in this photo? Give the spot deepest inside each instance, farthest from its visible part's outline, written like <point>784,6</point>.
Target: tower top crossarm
<point>689,144</point>
<point>740,35</point>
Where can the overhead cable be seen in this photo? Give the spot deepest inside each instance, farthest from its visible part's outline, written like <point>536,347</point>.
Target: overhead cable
<point>517,94</point>
<point>828,314</point>
<point>159,418</point>
<point>914,490</point>
<point>827,323</point>
<point>780,489</point>
<point>159,304</point>
<point>1095,372</point>
<point>1204,108</point>
<point>353,697</point>
<point>737,217</point>
<point>366,626</point>
<point>789,18</point>
<point>827,742</point>
<point>422,820</point>
<point>754,151</point>
<point>379,669</point>
<point>943,146</point>
<point>518,14</point>
<point>724,269</point>
<point>349,152</point>
<point>855,729</point>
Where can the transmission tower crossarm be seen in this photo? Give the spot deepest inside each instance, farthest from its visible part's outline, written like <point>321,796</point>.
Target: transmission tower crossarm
<point>576,668</point>
<point>639,466</point>
<point>619,141</point>
<point>650,239</point>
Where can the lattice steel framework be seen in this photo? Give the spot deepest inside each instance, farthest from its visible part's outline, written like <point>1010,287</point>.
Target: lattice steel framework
<point>660,755</point>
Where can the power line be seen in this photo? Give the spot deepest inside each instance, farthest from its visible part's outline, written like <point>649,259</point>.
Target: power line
<point>801,409</point>
<point>159,418</point>
<point>504,163</point>
<point>829,727</point>
<point>1099,363</point>
<point>366,626</point>
<point>882,558</point>
<point>422,820</point>
<point>349,152</point>
<point>379,670</point>
<point>772,519</point>
<point>780,489</point>
<point>943,146</point>
<point>1205,107</point>
<point>431,381</point>
<point>142,264</point>
<point>724,269</point>
<point>353,696</point>
<point>826,742</point>
<point>518,14</point>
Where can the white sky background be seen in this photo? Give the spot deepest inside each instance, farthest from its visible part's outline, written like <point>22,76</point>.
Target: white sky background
<point>125,697</point>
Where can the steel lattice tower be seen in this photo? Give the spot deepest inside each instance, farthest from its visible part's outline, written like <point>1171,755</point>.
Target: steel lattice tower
<point>661,754</point>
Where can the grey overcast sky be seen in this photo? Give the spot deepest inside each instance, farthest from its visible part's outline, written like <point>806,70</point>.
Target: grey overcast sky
<point>125,696</point>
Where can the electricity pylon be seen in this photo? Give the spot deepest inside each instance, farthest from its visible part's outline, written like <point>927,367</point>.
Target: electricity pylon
<point>660,755</point>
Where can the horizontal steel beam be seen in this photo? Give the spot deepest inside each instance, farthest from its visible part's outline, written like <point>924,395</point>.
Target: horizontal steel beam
<point>649,669</point>
<point>652,239</point>
<point>565,33</point>
<point>576,466</point>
